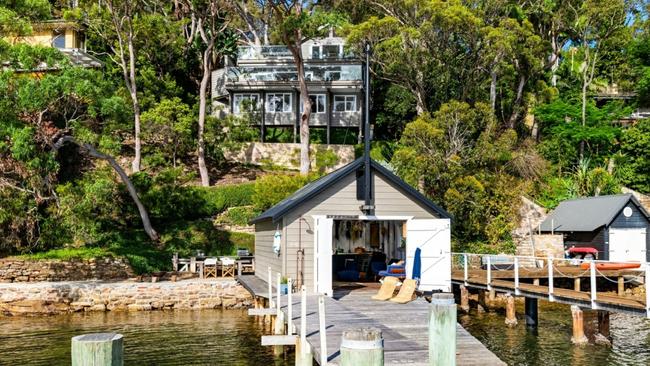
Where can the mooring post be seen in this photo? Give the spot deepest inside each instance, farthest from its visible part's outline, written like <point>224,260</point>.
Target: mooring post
<point>482,303</point>
<point>270,289</point>
<point>578,326</point>
<point>362,347</point>
<point>442,330</point>
<point>592,284</point>
<point>464,299</point>
<point>289,307</point>
<point>97,349</point>
<point>530,306</point>
<point>511,316</point>
<point>603,323</point>
<point>321,329</point>
<point>304,356</point>
<point>550,279</point>
<point>489,273</point>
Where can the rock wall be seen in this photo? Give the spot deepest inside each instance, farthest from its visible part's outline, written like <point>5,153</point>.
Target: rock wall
<point>530,216</point>
<point>61,297</point>
<point>286,155</point>
<point>549,246</point>
<point>21,270</point>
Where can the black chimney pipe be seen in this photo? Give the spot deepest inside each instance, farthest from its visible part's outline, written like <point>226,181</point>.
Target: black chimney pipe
<point>369,205</point>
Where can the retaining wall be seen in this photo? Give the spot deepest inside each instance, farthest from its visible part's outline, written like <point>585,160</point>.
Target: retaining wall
<point>21,270</point>
<point>61,297</point>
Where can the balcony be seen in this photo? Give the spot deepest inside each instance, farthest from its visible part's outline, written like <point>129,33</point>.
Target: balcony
<point>309,52</point>
<point>315,73</point>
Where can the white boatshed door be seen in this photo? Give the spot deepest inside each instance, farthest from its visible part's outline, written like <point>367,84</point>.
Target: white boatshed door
<point>627,245</point>
<point>433,237</point>
<point>323,255</point>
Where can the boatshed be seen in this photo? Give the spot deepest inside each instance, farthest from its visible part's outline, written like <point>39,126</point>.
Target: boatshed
<point>616,225</point>
<point>331,231</point>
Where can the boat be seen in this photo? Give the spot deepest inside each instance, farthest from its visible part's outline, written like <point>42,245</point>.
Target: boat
<point>611,265</point>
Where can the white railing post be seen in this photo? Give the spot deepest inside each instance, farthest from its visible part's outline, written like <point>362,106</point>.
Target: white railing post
<point>465,267</point>
<point>550,278</point>
<point>278,294</point>
<point>303,319</point>
<point>489,273</point>
<point>646,281</point>
<point>289,307</point>
<point>322,329</point>
<point>270,289</point>
<point>516,275</point>
<point>592,279</point>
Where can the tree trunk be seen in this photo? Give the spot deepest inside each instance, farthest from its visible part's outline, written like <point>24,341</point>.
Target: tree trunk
<point>144,215</point>
<point>203,91</point>
<point>516,106</point>
<point>135,165</point>
<point>583,115</point>
<point>493,89</point>
<point>305,162</point>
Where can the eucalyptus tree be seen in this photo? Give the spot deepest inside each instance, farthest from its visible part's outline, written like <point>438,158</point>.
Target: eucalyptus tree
<point>209,39</point>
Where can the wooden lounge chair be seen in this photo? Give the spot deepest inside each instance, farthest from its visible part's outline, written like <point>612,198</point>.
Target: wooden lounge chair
<point>387,288</point>
<point>406,292</point>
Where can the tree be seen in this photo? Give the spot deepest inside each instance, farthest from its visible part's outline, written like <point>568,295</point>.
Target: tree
<point>296,22</point>
<point>635,146</point>
<point>168,126</point>
<point>210,39</point>
<point>115,21</point>
<point>597,21</point>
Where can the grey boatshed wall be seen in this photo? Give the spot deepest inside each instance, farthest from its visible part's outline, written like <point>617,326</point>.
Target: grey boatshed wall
<point>338,199</point>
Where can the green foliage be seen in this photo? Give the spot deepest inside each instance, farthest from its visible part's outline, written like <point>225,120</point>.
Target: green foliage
<point>66,254</point>
<point>240,216</point>
<point>273,188</point>
<point>635,164</point>
<point>325,159</point>
<point>167,128</point>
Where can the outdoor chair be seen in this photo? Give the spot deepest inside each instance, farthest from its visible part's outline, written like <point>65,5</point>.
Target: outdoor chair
<point>227,267</point>
<point>406,291</point>
<point>210,267</point>
<point>394,270</point>
<point>387,289</point>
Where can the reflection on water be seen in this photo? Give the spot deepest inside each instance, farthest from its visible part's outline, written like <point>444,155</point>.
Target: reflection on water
<point>206,337</point>
<point>551,343</point>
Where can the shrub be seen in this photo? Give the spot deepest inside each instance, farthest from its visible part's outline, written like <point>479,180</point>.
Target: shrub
<point>238,216</point>
<point>273,188</point>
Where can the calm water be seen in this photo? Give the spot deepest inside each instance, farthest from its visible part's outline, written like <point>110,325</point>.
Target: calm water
<point>207,337</point>
<point>552,343</point>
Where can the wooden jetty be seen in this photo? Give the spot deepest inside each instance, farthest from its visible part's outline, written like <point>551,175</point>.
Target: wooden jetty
<point>404,326</point>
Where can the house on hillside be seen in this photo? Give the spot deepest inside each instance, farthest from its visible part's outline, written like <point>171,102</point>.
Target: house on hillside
<point>67,37</point>
<point>263,83</point>
<point>324,230</point>
<point>616,225</point>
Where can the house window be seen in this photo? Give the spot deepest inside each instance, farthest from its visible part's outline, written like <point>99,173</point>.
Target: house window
<point>278,102</point>
<point>315,52</point>
<point>317,103</point>
<point>345,103</point>
<point>245,103</point>
<point>332,51</point>
<point>332,75</point>
<point>58,39</point>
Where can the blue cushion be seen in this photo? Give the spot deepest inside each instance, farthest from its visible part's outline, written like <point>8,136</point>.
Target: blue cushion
<point>348,275</point>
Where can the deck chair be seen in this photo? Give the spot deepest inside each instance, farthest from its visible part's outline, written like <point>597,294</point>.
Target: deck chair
<point>227,267</point>
<point>387,288</point>
<point>406,292</point>
<point>210,267</point>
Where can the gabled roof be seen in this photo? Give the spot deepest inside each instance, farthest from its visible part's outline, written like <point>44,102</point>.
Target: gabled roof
<point>587,214</point>
<point>314,188</point>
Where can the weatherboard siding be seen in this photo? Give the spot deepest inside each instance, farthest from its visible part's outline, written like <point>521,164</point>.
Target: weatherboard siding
<point>264,256</point>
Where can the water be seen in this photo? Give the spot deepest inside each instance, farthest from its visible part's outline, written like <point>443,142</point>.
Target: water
<point>552,343</point>
<point>206,337</point>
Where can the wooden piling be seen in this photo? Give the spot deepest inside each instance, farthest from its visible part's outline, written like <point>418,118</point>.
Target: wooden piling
<point>577,315</point>
<point>576,284</point>
<point>492,296</point>
<point>362,347</point>
<point>621,286</point>
<point>603,323</point>
<point>530,306</point>
<point>442,330</point>
<point>511,317</point>
<point>464,298</point>
<point>482,303</point>
<point>97,349</point>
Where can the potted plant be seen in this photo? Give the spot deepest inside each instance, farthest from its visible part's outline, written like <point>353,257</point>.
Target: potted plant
<point>284,288</point>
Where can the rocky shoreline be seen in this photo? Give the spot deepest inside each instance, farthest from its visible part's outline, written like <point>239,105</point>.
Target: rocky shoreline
<point>45,298</point>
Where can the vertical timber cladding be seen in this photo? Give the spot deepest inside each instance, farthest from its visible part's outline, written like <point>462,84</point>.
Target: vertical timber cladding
<point>340,199</point>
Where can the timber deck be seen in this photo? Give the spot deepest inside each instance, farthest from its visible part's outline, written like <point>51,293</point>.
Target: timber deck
<point>404,326</point>
<point>503,281</point>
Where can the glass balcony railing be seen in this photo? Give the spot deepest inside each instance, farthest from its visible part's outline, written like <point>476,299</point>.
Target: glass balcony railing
<point>289,73</point>
<point>327,52</point>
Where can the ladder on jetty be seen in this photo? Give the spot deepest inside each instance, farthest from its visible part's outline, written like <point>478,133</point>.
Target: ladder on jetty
<point>404,326</point>
<point>480,271</point>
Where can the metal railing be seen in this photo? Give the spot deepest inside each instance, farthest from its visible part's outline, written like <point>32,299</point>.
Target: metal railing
<point>473,261</point>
